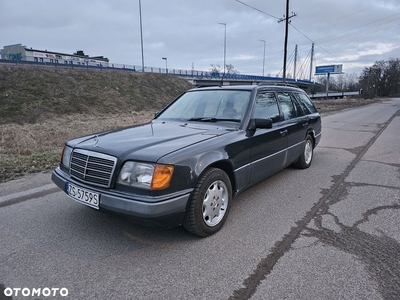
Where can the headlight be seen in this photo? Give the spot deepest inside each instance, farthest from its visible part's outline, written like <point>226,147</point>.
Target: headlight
<point>144,175</point>
<point>66,156</point>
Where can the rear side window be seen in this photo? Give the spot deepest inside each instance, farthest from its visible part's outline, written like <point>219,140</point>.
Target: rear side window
<point>288,110</point>
<point>299,109</point>
<point>306,104</point>
<point>267,107</point>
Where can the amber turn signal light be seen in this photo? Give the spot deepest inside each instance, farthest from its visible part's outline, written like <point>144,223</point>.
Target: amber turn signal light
<point>162,177</point>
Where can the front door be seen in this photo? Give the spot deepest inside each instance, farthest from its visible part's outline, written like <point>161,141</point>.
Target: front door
<point>268,146</point>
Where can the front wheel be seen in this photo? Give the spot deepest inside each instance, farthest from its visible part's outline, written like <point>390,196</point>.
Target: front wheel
<point>209,203</point>
<point>305,159</point>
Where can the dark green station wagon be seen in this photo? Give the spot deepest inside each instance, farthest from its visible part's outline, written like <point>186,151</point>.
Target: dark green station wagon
<point>187,164</point>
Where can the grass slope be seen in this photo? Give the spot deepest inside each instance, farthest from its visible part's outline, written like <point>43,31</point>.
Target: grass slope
<point>30,94</point>
<point>42,107</point>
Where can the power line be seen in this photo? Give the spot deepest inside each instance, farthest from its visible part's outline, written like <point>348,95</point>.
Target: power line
<point>351,33</point>
<point>352,14</point>
<point>257,9</point>
<point>360,28</point>
<point>312,40</point>
<point>286,18</point>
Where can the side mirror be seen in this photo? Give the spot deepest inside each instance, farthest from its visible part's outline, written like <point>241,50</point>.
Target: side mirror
<point>263,123</point>
<point>259,123</point>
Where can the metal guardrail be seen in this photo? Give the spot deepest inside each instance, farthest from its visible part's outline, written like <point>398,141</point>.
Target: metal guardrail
<point>133,68</point>
<point>335,94</point>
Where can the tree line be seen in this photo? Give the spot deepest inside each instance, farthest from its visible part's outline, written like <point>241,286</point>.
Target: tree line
<point>382,79</point>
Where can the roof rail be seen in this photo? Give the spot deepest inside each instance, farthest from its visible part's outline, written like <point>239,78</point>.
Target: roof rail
<point>278,83</point>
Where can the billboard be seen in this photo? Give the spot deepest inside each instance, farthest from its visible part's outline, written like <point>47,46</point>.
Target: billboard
<point>332,69</point>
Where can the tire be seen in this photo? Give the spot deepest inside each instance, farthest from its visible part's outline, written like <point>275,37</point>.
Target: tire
<point>305,159</point>
<point>209,203</point>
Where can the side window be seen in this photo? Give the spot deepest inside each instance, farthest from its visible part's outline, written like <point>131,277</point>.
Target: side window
<point>288,110</point>
<point>306,104</point>
<point>267,107</point>
<point>299,109</point>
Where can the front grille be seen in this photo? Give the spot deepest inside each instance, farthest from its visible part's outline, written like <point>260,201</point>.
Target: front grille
<point>92,167</point>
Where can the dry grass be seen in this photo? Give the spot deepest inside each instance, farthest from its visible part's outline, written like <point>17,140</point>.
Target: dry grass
<point>330,105</point>
<point>36,147</point>
<point>26,139</point>
<point>30,94</point>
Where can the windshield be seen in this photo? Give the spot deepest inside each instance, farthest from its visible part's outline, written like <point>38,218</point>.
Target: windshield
<point>208,105</point>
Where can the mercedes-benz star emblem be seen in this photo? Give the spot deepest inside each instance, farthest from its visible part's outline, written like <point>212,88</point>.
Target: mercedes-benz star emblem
<point>96,140</point>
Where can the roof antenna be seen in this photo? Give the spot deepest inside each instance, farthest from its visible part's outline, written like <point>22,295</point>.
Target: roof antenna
<point>222,80</point>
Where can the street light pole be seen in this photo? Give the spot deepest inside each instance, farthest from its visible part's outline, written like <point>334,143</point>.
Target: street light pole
<point>166,64</point>
<point>141,33</point>
<point>224,46</point>
<point>263,55</point>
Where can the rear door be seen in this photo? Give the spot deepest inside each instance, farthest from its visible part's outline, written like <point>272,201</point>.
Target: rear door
<point>311,113</point>
<point>295,123</point>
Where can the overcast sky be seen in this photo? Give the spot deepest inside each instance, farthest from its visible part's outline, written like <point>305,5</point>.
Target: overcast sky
<point>355,33</point>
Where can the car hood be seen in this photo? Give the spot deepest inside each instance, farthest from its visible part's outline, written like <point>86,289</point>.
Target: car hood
<point>149,142</point>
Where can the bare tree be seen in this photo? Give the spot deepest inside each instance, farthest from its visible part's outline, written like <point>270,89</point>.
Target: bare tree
<point>230,69</point>
<point>341,82</point>
<point>352,82</point>
<point>392,78</point>
<point>215,69</point>
<point>382,79</point>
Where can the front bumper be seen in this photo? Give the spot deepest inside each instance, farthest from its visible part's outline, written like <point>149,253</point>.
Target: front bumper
<point>165,211</point>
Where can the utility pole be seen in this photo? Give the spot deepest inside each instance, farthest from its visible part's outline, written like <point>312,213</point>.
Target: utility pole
<point>286,18</point>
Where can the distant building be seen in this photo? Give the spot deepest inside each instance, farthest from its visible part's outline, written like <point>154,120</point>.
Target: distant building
<point>18,52</point>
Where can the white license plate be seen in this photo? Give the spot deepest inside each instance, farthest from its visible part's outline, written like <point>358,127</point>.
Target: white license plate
<point>84,196</point>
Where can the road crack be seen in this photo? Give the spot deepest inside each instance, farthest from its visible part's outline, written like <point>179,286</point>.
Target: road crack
<point>337,191</point>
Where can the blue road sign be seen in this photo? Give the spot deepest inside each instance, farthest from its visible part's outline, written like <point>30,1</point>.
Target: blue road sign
<point>336,69</point>
<point>324,69</point>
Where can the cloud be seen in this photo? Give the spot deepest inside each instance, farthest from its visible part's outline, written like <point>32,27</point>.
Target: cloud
<point>357,32</point>
<point>369,49</point>
<point>244,57</point>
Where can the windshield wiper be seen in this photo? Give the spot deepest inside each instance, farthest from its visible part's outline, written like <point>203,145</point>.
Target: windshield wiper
<point>211,119</point>
<point>202,119</point>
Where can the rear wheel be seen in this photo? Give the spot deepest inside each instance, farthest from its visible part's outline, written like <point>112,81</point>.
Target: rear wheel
<point>305,159</point>
<point>209,203</point>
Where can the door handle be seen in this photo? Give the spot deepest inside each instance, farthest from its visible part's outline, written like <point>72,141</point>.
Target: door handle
<point>283,132</point>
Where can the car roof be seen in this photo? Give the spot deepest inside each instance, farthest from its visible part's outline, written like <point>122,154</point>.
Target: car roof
<point>251,87</point>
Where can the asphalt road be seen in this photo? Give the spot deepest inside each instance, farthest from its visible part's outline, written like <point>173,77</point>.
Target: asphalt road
<point>328,232</point>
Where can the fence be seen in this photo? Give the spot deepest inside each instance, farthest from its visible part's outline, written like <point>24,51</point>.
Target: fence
<point>104,65</point>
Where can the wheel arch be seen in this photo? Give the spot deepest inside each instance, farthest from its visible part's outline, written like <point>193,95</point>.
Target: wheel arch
<point>311,132</point>
<point>214,159</point>
<point>227,168</point>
